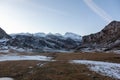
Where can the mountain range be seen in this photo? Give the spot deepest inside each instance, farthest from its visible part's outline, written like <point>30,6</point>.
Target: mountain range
<point>105,40</point>
<point>39,42</point>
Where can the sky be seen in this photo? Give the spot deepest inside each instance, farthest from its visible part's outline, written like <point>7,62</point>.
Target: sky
<point>82,17</point>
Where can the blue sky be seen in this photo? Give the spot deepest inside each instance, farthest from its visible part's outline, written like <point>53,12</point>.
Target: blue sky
<point>57,16</point>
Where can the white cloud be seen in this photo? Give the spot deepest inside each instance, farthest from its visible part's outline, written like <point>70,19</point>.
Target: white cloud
<point>47,8</point>
<point>94,7</point>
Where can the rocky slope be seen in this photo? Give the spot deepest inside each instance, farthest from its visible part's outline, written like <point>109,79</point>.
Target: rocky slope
<point>3,34</point>
<point>107,38</point>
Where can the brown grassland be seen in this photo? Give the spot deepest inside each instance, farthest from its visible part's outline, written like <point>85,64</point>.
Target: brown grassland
<point>57,70</point>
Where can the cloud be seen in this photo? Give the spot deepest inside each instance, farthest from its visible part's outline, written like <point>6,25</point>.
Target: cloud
<point>94,7</point>
<point>46,8</point>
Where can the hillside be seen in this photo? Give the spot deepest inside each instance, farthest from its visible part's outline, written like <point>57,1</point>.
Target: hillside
<point>107,39</point>
<point>3,34</point>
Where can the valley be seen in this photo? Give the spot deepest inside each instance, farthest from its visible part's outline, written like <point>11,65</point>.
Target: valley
<point>40,56</point>
<point>59,39</point>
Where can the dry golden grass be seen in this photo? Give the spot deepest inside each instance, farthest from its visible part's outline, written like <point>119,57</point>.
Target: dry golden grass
<point>110,57</point>
<point>58,70</point>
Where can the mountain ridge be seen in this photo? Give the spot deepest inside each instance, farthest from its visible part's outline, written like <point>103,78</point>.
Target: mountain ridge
<point>41,34</point>
<point>3,34</point>
<point>107,38</point>
<point>41,42</point>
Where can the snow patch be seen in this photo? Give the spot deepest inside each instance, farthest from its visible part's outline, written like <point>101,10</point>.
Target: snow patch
<point>6,78</point>
<point>113,51</point>
<point>41,64</point>
<point>4,51</point>
<point>57,51</point>
<point>20,49</point>
<point>92,50</point>
<point>23,57</point>
<point>103,68</point>
<point>3,40</point>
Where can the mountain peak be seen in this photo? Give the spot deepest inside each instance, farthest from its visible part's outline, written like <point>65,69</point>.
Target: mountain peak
<point>3,34</point>
<point>110,31</point>
<point>72,36</point>
<point>114,24</point>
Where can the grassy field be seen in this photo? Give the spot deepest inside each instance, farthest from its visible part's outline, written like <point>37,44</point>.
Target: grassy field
<point>57,70</point>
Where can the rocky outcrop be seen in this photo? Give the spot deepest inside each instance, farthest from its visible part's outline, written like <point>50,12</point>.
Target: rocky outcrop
<point>109,37</point>
<point>3,34</point>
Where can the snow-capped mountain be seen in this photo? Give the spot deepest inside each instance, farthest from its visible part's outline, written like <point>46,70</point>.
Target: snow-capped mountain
<point>41,42</point>
<point>39,35</point>
<point>72,36</point>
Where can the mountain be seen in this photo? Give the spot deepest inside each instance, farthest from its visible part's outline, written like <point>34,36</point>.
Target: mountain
<point>65,36</point>
<point>107,39</point>
<point>3,34</point>
<point>41,42</point>
<point>73,36</point>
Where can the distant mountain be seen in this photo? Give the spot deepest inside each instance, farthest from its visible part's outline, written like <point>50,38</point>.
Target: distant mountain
<point>108,38</point>
<point>70,35</point>
<point>73,36</point>
<point>46,40</point>
<point>41,42</point>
